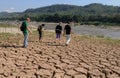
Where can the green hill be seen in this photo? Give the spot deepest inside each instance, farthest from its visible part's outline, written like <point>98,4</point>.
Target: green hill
<point>90,9</point>
<point>95,13</point>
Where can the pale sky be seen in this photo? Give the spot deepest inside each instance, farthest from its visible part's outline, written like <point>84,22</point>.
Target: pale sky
<point>22,5</point>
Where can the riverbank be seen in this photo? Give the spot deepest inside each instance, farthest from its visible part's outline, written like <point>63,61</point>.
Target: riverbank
<point>89,30</point>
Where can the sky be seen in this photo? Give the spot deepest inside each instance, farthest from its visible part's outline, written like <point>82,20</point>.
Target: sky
<point>22,5</point>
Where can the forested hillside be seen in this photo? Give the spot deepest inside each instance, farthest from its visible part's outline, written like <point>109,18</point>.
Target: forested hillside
<point>97,9</point>
<point>89,14</point>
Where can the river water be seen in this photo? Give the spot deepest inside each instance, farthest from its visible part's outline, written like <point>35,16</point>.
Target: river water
<point>97,31</point>
<point>93,31</point>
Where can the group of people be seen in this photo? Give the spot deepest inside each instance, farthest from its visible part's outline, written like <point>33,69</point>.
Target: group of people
<point>66,31</point>
<point>58,31</point>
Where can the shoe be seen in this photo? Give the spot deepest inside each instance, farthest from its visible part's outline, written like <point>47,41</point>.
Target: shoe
<point>66,44</point>
<point>24,46</point>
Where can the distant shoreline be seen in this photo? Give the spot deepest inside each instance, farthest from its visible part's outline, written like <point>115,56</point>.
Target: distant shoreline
<point>90,30</point>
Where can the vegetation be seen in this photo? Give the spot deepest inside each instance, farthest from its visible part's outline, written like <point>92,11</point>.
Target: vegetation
<point>6,25</point>
<point>101,39</point>
<point>95,14</point>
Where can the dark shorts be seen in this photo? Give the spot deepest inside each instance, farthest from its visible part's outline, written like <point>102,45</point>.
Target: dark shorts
<point>58,35</point>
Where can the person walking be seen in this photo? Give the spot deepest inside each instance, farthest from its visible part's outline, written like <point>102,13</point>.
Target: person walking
<point>25,30</point>
<point>67,32</point>
<point>58,31</point>
<point>40,30</point>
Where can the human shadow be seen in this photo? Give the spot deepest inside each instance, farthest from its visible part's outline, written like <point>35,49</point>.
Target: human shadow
<point>32,41</point>
<point>55,44</point>
<point>10,46</point>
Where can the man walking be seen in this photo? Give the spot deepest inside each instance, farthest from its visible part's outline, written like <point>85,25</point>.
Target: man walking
<point>24,28</point>
<point>40,30</point>
<point>58,31</point>
<point>67,31</point>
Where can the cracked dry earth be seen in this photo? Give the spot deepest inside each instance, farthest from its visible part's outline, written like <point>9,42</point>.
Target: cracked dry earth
<point>83,58</point>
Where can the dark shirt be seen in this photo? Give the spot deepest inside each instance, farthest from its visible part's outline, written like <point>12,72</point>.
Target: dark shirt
<point>67,29</point>
<point>40,29</point>
<point>58,29</point>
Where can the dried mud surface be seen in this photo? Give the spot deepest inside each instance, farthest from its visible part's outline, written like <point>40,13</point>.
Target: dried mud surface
<point>82,58</point>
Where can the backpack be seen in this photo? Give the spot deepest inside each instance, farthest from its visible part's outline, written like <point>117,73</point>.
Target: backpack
<point>23,26</point>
